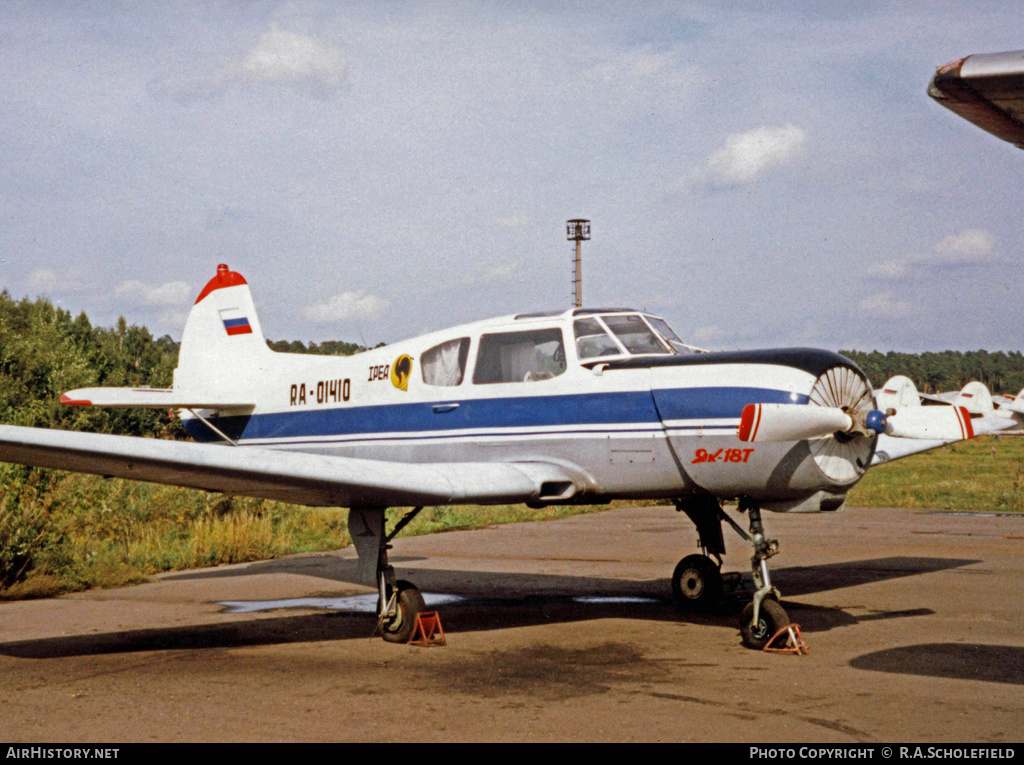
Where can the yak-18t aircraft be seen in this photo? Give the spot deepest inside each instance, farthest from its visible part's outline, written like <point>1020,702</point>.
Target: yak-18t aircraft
<point>572,406</point>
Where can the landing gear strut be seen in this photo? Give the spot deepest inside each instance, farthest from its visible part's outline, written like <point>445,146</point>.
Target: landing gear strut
<point>398,601</point>
<point>697,583</point>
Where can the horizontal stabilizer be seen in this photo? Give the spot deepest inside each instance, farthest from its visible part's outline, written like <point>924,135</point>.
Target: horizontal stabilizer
<point>145,398</point>
<point>299,477</point>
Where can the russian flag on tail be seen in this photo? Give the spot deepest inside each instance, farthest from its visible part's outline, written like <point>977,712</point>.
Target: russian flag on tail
<point>234,322</point>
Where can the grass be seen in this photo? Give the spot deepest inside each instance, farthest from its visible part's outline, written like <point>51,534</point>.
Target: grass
<point>982,475</point>
<point>61,532</point>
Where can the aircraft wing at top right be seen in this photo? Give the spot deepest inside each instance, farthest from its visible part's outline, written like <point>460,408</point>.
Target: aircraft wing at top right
<point>986,89</point>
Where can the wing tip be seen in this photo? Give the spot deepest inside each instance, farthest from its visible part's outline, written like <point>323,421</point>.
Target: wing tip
<point>67,400</point>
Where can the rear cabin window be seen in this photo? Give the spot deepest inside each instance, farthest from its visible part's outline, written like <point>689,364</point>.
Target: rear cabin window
<point>444,365</point>
<point>530,356</point>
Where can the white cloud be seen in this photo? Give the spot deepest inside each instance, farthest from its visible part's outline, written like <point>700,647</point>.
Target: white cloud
<point>42,281</point>
<point>973,245</point>
<point>288,58</point>
<point>173,320</point>
<point>347,305</point>
<point>483,273</point>
<point>170,293</point>
<point>515,220</point>
<point>278,58</point>
<point>885,306</point>
<point>645,71</point>
<point>747,155</point>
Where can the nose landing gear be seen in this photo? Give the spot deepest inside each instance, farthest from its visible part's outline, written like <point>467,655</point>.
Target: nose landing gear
<point>697,582</point>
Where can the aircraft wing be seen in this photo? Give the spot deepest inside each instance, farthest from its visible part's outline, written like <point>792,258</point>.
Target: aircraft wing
<point>891,448</point>
<point>298,477</point>
<point>986,89</point>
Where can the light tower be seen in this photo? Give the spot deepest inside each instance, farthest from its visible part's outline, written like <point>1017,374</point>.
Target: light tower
<point>578,230</point>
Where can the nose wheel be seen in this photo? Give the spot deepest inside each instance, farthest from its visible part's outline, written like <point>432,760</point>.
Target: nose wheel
<point>770,619</point>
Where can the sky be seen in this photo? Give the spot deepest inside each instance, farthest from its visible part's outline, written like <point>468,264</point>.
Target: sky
<point>760,174</point>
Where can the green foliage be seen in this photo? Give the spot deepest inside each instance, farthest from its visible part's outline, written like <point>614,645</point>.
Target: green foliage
<point>984,475</point>
<point>44,353</point>
<point>946,371</point>
<point>326,348</point>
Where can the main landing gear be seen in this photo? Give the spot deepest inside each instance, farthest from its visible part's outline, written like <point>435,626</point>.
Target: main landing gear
<point>698,584</point>
<point>398,601</point>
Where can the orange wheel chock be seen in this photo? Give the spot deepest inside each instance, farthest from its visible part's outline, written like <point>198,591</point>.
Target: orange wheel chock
<point>794,642</point>
<point>427,630</point>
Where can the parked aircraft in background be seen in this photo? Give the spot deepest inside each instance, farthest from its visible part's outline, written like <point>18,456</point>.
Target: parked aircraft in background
<point>900,391</point>
<point>576,406</point>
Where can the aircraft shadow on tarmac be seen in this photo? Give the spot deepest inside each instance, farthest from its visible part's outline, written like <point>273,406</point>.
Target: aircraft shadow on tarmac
<point>483,601</point>
<point>955,661</point>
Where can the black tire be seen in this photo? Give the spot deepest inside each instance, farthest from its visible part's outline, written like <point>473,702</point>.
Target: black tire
<point>398,629</point>
<point>696,584</point>
<point>770,620</point>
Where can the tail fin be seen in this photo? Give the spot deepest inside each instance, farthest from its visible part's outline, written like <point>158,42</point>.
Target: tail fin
<point>898,392</point>
<point>976,399</point>
<point>223,350</point>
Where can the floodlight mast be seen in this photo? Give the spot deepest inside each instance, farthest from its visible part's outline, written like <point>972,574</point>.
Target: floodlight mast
<point>578,230</point>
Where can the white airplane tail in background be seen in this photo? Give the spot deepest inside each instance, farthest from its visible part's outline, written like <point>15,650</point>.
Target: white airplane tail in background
<point>897,393</point>
<point>975,398</point>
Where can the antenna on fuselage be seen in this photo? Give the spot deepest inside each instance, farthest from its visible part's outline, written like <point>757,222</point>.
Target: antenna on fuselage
<point>578,230</point>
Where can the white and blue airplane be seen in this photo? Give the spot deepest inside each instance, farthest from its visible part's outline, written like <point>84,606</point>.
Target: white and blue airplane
<point>574,406</point>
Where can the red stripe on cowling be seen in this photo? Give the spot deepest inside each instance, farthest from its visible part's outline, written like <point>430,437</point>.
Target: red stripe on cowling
<point>749,421</point>
<point>75,401</point>
<point>965,422</point>
<point>225,278</point>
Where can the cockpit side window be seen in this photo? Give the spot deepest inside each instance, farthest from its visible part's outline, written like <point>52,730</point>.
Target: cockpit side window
<point>444,365</point>
<point>530,356</point>
<point>633,332</point>
<point>593,340</point>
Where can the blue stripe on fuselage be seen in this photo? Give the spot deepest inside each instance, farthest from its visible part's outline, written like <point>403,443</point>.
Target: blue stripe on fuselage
<point>716,403</point>
<point>590,409</point>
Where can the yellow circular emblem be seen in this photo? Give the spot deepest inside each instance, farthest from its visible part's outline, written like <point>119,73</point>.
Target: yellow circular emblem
<point>401,370</point>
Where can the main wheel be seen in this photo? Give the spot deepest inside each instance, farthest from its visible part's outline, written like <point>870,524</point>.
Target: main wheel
<point>398,628</point>
<point>696,584</point>
<point>771,619</point>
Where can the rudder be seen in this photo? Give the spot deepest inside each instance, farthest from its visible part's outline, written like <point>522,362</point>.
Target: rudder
<point>222,345</point>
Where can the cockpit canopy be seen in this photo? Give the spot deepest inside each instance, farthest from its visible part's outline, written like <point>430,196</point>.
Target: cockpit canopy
<point>514,354</point>
<point>625,334</point>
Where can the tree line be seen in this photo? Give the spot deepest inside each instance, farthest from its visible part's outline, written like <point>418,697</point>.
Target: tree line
<point>945,371</point>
